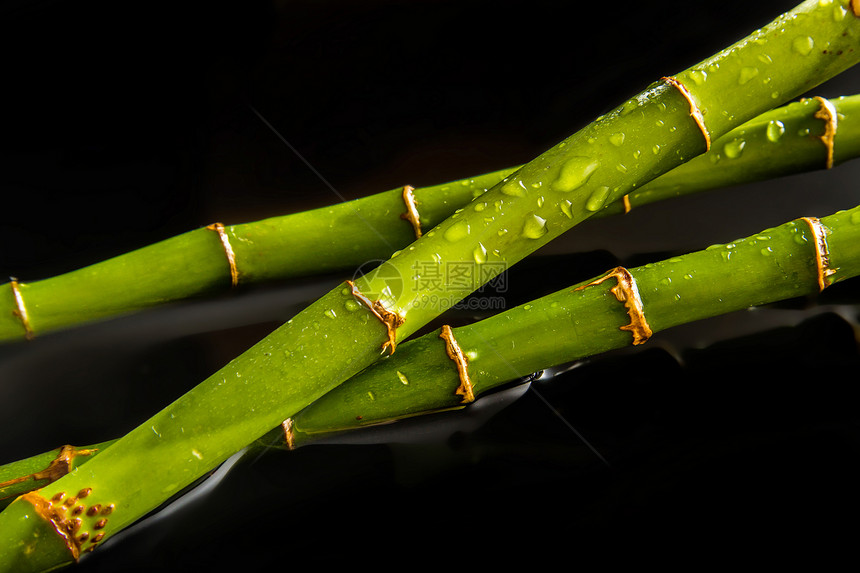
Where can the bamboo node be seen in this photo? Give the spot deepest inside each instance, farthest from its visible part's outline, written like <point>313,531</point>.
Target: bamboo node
<point>827,113</point>
<point>65,528</point>
<point>289,435</point>
<point>228,251</point>
<point>455,353</point>
<point>59,466</point>
<point>822,252</point>
<point>411,213</point>
<point>695,112</point>
<point>627,292</point>
<point>626,202</point>
<point>390,319</point>
<point>20,310</point>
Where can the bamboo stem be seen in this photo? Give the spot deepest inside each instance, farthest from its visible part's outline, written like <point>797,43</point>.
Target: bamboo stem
<point>330,341</point>
<point>779,142</point>
<point>451,367</point>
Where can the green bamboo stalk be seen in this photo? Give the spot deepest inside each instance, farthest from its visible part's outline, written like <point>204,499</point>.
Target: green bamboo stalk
<point>336,336</point>
<point>779,142</point>
<point>570,324</point>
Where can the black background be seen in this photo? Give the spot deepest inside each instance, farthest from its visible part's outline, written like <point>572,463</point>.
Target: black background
<point>123,124</point>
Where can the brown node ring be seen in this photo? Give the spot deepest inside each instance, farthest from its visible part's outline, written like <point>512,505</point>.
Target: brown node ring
<point>411,213</point>
<point>627,292</point>
<point>695,112</point>
<point>289,436</point>
<point>59,466</point>
<point>66,528</point>
<point>822,252</point>
<point>228,251</point>
<point>455,353</point>
<point>827,113</point>
<point>626,202</point>
<point>20,310</point>
<point>391,320</point>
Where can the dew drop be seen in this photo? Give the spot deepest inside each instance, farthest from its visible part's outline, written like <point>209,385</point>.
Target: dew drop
<point>621,168</point>
<point>617,139</point>
<point>565,208</point>
<point>636,154</point>
<point>747,73</point>
<point>574,173</point>
<point>403,378</point>
<point>765,59</point>
<point>351,305</point>
<point>699,76</point>
<point>803,132</point>
<point>839,13</point>
<point>734,148</point>
<point>540,201</point>
<point>330,313</point>
<point>480,207</point>
<point>514,189</point>
<point>656,149</point>
<point>480,254</point>
<point>775,130</point>
<point>502,232</point>
<point>767,251</point>
<point>498,205</point>
<point>855,217</point>
<point>803,45</point>
<point>457,231</point>
<point>534,226</point>
<point>629,106</point>
<point>597,199</point>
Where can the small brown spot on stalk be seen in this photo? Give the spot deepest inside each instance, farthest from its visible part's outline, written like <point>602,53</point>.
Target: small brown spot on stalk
<point>391,320</point>
<point>627,292</point>
<point>827,113</point>
<point>20,310</point>
<point>228,251</point>
<point>108,509</point>
<point>70,501</point>
<point>85,492</point>
<point>822,252</point>
<point>411,213</point>
<point>79,509</point>
<point>695,112</point>
<point>94,509</point>
<point>455,353</point>
<point>100,524</point>
<point>97,538</point>
<point>84,536</point>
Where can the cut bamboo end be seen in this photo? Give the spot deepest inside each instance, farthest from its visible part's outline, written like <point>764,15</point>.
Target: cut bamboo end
<point>627,292</point>
<point>626,202</point>
<point>695,112</point>
<point>289,435</point>
<point>59,466</point>
<point>390,319</point>
<point>411,213</point>
<point>455,353</point>
<point>228,251</point>
<point>827,113</point>
<point>20,309</point>
<point>822,252</point>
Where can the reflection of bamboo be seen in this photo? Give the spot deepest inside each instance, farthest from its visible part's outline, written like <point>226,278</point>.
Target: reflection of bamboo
<point>778,142</point>
<point>329,342</point>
